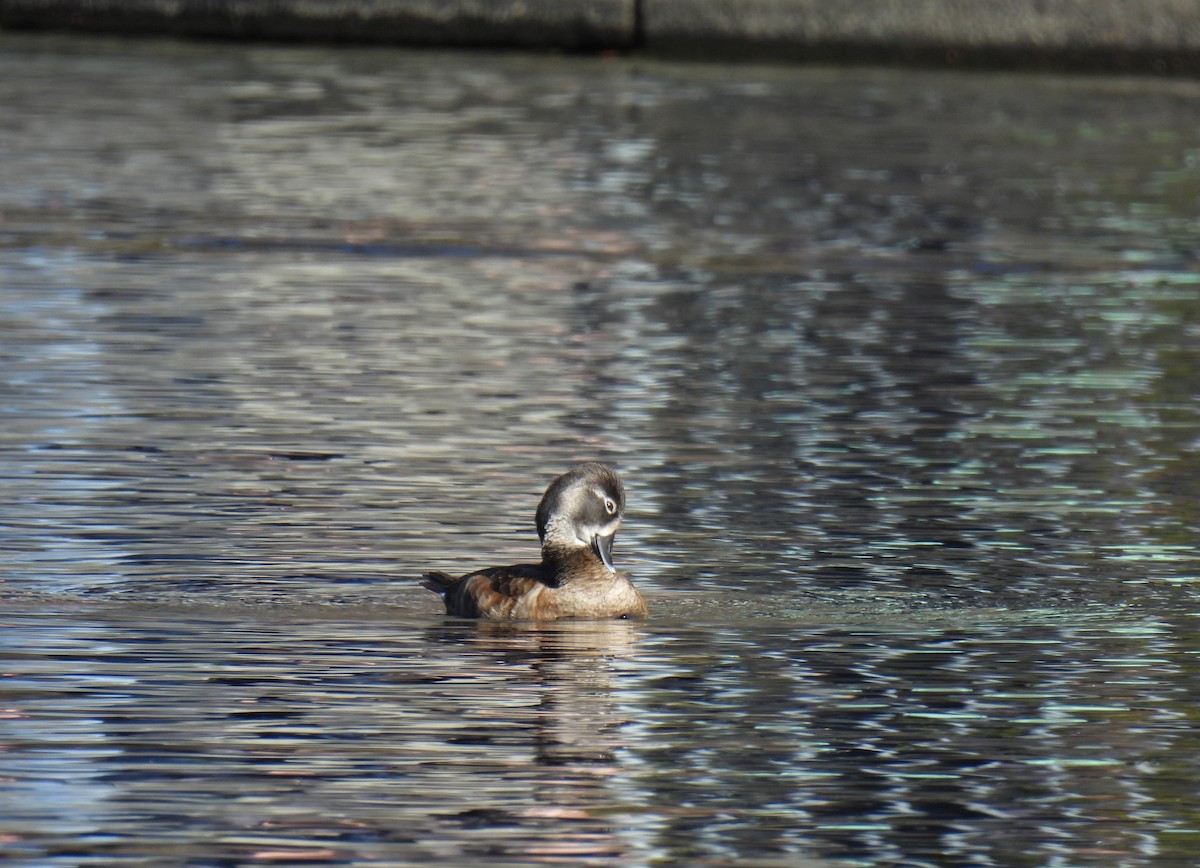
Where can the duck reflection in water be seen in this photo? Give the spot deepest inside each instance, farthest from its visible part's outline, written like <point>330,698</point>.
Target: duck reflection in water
<point>576,521</point>
<point>543,710</point>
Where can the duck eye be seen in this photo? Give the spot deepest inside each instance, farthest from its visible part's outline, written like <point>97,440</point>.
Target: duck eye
<point>609,506</point>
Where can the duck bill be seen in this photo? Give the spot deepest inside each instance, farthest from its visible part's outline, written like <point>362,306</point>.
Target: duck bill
<point>602,546</point>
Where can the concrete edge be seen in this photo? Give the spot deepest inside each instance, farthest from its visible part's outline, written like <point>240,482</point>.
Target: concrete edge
<point>1161,36</point>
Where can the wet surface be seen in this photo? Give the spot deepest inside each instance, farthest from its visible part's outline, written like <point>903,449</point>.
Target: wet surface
<point>900,369</point>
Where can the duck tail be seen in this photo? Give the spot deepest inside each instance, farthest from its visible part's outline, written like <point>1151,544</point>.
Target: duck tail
<point>439,583</point>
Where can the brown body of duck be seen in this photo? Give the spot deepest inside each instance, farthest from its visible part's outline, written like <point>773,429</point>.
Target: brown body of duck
<point>577,519</point>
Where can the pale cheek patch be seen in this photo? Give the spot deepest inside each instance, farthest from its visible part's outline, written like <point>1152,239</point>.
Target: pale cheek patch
<point>588,532</point>
<point>594,531</point>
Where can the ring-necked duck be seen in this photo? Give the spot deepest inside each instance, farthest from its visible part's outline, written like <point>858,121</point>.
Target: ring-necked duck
<point>576,521</point>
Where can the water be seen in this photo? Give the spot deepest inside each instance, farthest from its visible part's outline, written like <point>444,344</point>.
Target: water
<point>900,369</point>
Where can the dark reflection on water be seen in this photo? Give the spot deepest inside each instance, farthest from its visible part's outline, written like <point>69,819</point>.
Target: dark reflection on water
<point>901,370</point>
<point>345,734</point>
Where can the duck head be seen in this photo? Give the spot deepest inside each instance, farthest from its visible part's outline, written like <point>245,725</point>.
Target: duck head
<point>582,509</point>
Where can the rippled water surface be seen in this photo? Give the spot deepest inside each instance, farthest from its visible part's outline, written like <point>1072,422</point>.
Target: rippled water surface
<point>902,370</point>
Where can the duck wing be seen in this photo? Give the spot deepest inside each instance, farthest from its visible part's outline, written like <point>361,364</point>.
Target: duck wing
<point>498,593</point>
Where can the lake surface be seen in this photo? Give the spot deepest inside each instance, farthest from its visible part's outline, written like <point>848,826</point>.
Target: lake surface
<point>901,368</point>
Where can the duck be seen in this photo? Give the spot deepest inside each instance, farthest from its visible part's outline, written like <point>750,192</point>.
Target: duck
<point>577,520</point>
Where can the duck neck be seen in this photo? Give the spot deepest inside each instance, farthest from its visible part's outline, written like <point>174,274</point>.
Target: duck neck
<point>567,563</point>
